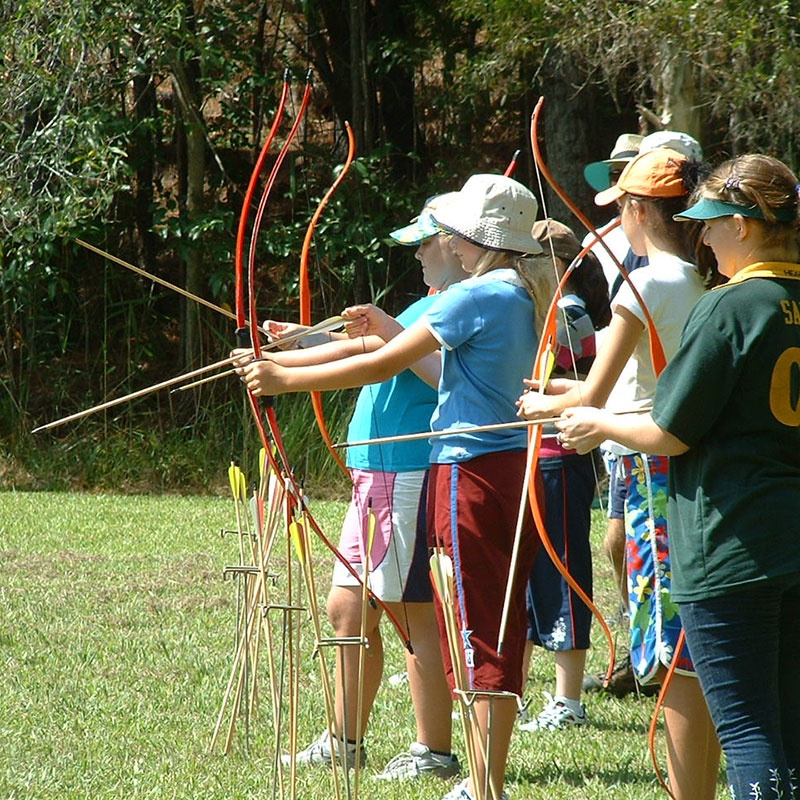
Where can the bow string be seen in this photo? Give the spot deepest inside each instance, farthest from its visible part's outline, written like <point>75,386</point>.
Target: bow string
<point>272,439</point>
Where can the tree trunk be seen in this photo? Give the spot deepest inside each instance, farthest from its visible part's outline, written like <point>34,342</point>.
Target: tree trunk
<point>565,138</point>
<point>192,206</point>
<point>680,107</point>
<point>143,154</point>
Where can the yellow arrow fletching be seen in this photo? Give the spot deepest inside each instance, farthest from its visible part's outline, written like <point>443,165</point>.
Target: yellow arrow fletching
<point>297,532</point>
<point>232,480</point>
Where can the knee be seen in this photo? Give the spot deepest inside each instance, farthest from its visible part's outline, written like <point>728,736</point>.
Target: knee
<point>344,612</point>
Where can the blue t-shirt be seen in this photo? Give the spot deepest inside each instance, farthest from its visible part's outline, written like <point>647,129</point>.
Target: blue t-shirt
<point>486,328</point>
<point>403,404</point>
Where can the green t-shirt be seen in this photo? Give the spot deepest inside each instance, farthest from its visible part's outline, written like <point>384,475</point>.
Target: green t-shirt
<point>732,393</point>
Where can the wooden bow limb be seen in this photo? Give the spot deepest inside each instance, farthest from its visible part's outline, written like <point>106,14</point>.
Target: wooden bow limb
<point>657,357</point>
<point>542,371</point>
<point>656,348</point>
<point>548,341</point>
<point>140,393</point>
<point>512,165</point>
<point>305,292</point>
<point>315,527</point>
<point>251,258</point>
<point>248,198</point>
<point>651,733</point>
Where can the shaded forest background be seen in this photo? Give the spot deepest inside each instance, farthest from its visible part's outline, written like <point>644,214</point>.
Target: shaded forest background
<point>135,125</point>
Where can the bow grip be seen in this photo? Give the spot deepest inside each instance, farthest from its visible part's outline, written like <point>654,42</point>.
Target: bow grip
<point>243,340</point>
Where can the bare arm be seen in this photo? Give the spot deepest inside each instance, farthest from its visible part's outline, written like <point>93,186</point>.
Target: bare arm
<point>583,429</point>
<point>280,330</point>
<point>323,353</point>
<point>268,377</point>
<point>624,333</point>
<point>369,320</point>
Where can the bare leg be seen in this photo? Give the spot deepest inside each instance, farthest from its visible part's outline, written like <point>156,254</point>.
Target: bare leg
<point>693,751</point>
<point>569,670</point>
<point>569,673</point>
<point>344,613</point>
<point>503,715</point>
<point>430,694</point>
<point>527,657</point>
<point>614,546</point>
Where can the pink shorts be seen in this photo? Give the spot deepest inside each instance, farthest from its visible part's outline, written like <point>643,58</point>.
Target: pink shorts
<point>398,564</point>
<point>472,514</point>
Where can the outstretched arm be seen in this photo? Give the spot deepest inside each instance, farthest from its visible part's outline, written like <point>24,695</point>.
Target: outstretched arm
<point>623,335</point>
<point>269,377</point>
<point>583,429</point>
<point>369,320</point>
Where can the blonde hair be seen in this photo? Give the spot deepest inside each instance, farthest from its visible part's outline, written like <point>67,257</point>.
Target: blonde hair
<point>539,281</point>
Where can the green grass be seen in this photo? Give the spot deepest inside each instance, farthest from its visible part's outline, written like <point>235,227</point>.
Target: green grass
<point>116,641</point>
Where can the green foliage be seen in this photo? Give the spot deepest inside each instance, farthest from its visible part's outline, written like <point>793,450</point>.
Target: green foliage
<point>93,143</point>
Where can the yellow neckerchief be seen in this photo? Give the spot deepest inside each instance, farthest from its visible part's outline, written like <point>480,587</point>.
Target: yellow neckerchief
<point>765,269</point>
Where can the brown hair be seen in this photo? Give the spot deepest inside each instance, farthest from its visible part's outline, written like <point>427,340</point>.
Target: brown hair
<point>683,239</point>
<point>755,180</point>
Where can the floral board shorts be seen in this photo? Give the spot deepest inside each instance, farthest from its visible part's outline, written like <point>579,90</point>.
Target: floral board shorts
<point>655,624</point>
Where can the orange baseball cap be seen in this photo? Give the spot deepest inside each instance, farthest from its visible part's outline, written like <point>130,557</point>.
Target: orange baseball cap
<point>656,173</point>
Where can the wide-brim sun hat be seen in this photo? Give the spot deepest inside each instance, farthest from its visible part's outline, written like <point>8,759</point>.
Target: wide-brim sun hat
<point>494,212</point>
<point>598,173</point>
<point>423,227</point>
<point>657,173</point>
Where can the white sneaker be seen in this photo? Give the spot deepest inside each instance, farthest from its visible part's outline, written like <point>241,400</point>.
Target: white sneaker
<point>398,679</point>
<point>419,761</point>
<point>320,754</point>
<point>556,715</point>
<point>460,792</point>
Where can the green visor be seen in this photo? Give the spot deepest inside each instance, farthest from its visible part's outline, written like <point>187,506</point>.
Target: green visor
<point>706,208</point>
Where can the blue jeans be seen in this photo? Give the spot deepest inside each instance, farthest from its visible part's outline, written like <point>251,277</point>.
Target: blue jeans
<point>746,649</point>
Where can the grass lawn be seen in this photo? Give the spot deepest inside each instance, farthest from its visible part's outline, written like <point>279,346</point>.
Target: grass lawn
<point>117,634</point>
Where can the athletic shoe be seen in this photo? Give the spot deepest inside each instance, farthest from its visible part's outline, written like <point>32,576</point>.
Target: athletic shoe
<point>319,754</point>
<point>459,792</point>
<point>418,762</point>
<point>556,715</point>
<point>398,679</point>
<point>623,681</point>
